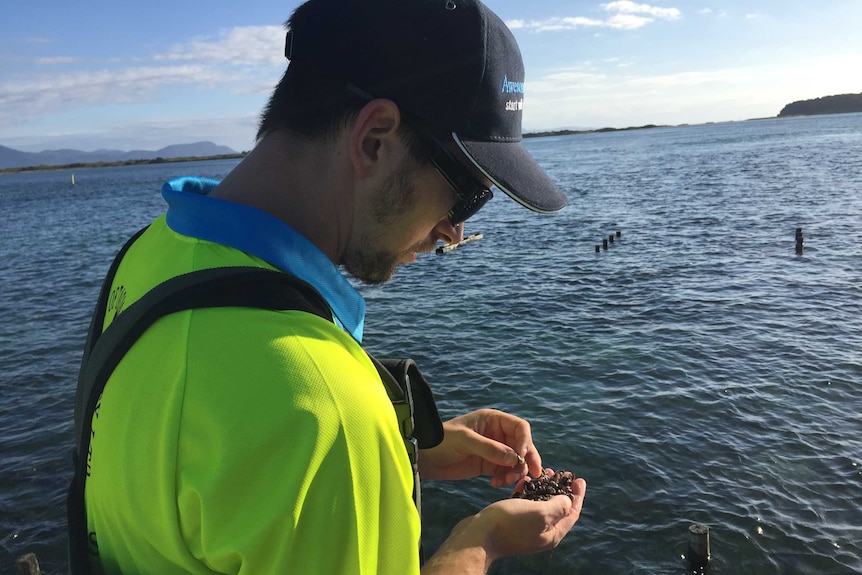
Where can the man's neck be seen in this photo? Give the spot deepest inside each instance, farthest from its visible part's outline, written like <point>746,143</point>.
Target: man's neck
<point>306,184</point>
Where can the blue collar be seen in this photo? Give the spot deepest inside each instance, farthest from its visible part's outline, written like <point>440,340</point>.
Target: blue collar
<point>192,213</point>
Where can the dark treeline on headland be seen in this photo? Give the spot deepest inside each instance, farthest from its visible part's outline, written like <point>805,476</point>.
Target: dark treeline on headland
<point>840,104</point>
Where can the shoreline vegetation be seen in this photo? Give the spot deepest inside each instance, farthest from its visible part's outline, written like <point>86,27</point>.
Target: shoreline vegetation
<point>598,130</point>
<point>84,165</point>
<point>839,104</point>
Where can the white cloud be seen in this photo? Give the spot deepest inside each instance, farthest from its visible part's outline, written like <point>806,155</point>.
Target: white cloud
<point>47,61</point>
<point>241,45</point>
<point>244,63</point>
<point>627,21</point>
<point>626,15</point>
<point>46,93</point>
<point>629,7</point>
<point>555,23</point>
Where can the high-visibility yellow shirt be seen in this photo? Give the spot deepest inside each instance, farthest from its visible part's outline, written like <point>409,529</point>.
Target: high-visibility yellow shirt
<point>234,440</point>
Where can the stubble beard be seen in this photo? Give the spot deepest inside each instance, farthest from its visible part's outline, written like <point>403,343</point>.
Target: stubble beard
<point>395,198</point>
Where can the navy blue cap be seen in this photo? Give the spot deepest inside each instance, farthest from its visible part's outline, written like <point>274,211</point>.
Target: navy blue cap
<point>451,64</point>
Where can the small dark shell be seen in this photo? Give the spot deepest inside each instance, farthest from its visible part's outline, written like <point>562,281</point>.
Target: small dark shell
<point>545,486</point>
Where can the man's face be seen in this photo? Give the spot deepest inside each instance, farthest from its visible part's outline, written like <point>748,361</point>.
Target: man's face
<point>406,215</point>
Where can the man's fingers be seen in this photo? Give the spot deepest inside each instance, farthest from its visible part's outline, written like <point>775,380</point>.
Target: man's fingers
<point>579,491</point>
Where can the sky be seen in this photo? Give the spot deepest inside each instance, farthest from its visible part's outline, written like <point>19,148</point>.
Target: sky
<point>95,74</point>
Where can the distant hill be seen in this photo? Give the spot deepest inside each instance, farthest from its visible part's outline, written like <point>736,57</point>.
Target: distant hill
<point>10,158</point>
<point>840,104</point>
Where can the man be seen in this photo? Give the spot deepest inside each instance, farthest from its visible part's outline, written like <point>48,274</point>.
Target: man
<point>244,440</point>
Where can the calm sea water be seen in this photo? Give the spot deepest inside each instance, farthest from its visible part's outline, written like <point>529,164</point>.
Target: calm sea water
<point>697,371</point>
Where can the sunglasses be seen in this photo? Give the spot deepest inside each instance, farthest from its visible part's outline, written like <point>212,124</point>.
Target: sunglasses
<point>472,196</point>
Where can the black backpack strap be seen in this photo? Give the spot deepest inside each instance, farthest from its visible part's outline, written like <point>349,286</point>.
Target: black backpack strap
<point>421,427</point>
<point>216,287</point>
<point>96,323</point>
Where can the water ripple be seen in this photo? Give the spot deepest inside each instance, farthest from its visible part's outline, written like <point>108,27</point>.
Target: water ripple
<point>697,370</point>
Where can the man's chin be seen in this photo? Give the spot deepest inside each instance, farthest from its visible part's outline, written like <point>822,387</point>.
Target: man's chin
<point>373,275</point>
<point>380,270</point>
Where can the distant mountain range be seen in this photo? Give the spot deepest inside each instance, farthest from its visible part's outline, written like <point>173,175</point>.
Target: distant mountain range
<point>10,158</point>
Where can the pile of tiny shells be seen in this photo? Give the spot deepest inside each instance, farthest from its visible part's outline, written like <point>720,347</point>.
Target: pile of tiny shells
<point>546,486</point>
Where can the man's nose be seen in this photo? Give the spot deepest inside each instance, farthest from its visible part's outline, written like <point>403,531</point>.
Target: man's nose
<point>449,233</point>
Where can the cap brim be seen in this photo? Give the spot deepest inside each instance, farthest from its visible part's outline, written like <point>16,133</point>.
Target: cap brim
<point>514,171</point>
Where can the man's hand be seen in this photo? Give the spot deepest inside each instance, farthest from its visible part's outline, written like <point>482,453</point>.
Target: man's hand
<point>483,442</point>
<point>507,528</point>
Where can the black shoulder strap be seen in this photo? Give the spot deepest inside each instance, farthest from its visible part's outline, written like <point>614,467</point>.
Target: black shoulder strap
<point>96,323</point>
<point>216,287</point>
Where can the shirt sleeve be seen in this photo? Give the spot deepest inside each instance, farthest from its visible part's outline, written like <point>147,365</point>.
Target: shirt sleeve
<point>289,457</point>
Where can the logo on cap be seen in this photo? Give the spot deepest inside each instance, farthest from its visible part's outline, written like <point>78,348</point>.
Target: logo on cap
<point>510,87</point>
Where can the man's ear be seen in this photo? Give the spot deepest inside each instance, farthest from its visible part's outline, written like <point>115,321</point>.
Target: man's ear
<point>373,133</point>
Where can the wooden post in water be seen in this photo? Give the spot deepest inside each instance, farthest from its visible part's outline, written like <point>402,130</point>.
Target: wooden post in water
<point>799,241</point>
<point>619,234</point>
<point>449,247</point>
<point>604,244</point>
<point>611,238</point>
<point>698,547</point>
